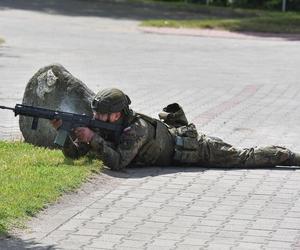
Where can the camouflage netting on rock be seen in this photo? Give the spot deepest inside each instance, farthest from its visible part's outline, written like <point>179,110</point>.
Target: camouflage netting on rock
<point>53,87</point>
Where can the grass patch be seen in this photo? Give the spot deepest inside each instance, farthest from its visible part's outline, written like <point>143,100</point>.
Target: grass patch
<point>232,19</point>
<point>33,177</point>
<point>201,9</point>
<point>266,24</point>
<point>1,40</point>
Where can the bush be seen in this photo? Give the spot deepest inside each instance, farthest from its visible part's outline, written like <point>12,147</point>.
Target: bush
<point>267,4</point>
<point>293,5</point>
<point>257,4</point>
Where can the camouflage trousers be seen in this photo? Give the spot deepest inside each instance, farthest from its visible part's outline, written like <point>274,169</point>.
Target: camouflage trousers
<point>215,152</point>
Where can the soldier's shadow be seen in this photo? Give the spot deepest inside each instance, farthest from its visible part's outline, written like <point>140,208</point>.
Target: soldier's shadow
<point>141,172</point>
<point>15,243</point>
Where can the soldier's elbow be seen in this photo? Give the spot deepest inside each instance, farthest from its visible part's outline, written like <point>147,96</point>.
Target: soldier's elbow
<point>71,154</point>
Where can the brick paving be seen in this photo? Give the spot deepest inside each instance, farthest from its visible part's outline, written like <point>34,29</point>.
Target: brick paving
<point>245,91</point>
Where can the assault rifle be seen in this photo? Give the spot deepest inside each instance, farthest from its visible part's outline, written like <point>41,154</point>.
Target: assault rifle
<point>69,120</point>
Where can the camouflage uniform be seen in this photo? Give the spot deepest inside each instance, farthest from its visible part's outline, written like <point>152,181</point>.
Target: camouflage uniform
<point>146,141</point>
<point>136,146</point>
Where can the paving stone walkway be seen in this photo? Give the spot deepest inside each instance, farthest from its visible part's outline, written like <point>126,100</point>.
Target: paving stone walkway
<point>245,91</point>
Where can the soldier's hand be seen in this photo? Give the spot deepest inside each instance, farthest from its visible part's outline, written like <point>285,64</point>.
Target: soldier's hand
<point>84,134</point>
<point>56,123</point>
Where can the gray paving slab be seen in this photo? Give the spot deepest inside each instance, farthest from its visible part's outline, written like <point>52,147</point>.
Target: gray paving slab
<point>244,91</point>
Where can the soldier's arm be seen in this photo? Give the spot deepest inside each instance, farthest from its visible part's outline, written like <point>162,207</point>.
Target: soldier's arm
<point>72,148</point>
<point>131,141</point>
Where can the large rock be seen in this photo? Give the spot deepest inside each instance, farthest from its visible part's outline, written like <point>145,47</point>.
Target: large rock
<point>53,87</point>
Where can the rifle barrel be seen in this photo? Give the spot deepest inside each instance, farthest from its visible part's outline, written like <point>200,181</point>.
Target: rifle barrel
<point>4,107</point>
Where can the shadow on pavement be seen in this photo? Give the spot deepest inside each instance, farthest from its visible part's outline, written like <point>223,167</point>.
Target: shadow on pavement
<point>14,243</point>
<point>101,8</point>
<point>141,172</point>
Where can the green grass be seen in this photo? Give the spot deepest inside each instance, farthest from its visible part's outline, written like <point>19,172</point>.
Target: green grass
<point>1,40</point>
<point>31,178</point>
<point>232,19</point>
<point>201,9</point>
<point>266,24</point>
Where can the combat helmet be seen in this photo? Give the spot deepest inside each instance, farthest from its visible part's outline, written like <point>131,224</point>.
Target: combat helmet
<point>111,100</point>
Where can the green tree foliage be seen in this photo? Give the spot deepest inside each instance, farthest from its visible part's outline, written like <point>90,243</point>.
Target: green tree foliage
<point>267,4</point>
<point>291,5</point>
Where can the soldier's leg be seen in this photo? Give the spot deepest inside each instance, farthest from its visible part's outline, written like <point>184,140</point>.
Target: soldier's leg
<point>215,152</point>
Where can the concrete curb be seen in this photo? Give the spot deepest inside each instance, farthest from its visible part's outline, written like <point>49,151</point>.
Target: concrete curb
<point>220,34</point>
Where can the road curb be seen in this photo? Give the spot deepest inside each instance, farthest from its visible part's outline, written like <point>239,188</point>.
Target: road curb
<point>220,34</point>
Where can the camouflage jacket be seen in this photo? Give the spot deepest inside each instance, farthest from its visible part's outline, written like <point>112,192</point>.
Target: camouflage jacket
<point>139,144</point>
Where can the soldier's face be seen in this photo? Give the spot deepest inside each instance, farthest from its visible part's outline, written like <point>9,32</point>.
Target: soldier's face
<point>101,117</point>
<point>113,117</point>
